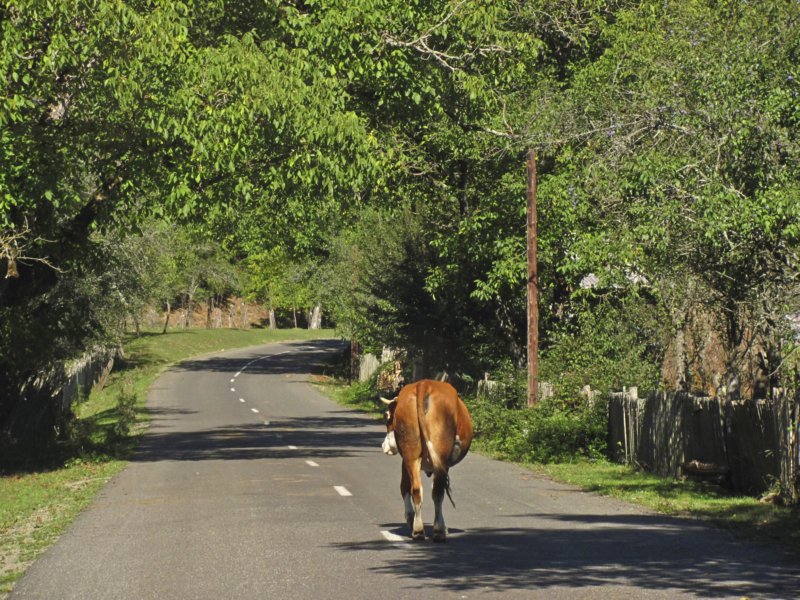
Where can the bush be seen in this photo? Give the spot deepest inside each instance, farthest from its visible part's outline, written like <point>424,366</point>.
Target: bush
<point>549,432</point>
<point>126,416</point>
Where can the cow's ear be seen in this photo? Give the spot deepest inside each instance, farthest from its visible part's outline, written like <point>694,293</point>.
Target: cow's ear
<point>388,402</point>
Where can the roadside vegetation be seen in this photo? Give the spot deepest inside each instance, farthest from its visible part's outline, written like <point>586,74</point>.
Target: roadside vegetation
<point>39,500</point>
<point>365,160</point>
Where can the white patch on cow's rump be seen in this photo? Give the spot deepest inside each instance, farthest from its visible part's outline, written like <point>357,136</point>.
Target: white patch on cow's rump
<point>435,459</point>
<point>389,444</point>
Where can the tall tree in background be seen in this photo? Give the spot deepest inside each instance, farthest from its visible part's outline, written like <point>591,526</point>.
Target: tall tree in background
<point>677,149</point>
<point>668,189</point>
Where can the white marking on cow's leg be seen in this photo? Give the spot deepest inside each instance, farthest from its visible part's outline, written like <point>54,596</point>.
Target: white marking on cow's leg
<point>439,528</point>
<point>418,527</point>
<point>409,510</point>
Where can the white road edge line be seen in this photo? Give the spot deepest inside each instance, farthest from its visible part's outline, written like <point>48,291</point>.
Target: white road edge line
<point>343,491</point>
<point>393,537</point>
<point>311,463</point>
<point>255,410</point>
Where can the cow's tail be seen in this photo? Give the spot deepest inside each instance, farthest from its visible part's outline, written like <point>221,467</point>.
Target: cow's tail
<point>440,465</point>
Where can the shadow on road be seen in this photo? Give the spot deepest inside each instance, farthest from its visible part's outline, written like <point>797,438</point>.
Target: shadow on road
<point>309,357</point>
<point>336,434</point>
<point>584,551</point>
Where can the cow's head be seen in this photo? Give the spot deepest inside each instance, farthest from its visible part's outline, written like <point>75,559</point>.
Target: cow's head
<point>389,444</point>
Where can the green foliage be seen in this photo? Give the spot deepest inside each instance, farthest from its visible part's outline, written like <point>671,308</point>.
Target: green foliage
<point>612,343</point>
<point>126,415</point>
<point>278,281</point>
<point>370,153</point>
<point>549,432</point>
<point>674,155</point>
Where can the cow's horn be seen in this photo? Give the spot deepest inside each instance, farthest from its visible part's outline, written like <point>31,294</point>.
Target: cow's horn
<point>385,401</point>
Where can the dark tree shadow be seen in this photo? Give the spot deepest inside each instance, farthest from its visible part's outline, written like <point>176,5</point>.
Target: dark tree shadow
<point>305,358</point>
<point>585,551</point>
<point>336,434</point>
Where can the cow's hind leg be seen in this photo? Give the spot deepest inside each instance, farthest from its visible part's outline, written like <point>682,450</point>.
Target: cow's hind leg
<point>405,493</point>
<point>411,488</point>
<point>441,481</point>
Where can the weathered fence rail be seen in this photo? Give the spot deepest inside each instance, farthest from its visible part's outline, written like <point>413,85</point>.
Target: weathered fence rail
<point>747,445</point>
<point>48,399</point>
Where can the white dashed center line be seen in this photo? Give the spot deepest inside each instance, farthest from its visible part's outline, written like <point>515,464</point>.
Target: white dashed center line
<point>255,410</point>
<point>233,389</point>
<point>292,447</point>
<point>343,491</point>
<point>241,399</point>
<point>311,463</point>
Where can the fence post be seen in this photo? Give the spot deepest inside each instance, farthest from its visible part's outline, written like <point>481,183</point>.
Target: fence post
<point>625,425</point>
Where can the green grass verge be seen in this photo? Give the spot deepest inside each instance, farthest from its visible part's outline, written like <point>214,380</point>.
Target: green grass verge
<point>743,515</point>
<point>37,504</point>
<point>358,396</point>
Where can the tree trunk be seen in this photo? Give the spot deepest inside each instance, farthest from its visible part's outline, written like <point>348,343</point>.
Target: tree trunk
<point>166,318</point>
<point>315,318</point>
<point>294,316</point>
<point>272,323</point>
<point>189,310</point>
<point>533,284</point>
<point>355,352</point>
<point>209,310</point>
<point>680,361</point>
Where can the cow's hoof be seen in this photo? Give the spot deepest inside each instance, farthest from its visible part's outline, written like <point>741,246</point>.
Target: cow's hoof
<point>418,536</point>
<point>439,536</point>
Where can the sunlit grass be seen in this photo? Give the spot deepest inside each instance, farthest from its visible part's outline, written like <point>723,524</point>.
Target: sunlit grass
<point>743,515</point>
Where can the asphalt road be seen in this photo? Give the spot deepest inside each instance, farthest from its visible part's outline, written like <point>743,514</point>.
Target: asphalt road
<point>251,484</point>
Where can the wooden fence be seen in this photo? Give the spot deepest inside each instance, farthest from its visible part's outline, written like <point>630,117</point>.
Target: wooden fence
<point>750,446</point>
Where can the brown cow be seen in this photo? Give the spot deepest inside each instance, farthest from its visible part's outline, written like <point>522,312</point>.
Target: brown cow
<point>431,428</point>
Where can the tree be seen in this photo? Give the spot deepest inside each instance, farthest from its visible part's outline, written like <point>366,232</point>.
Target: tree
<point>682,134</point>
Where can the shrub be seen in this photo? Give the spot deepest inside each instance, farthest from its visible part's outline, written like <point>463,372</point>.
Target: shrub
<point>126,415</point>
<point>549,432</point>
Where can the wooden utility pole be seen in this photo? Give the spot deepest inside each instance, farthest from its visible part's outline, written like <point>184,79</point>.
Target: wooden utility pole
<point>533,285</point>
